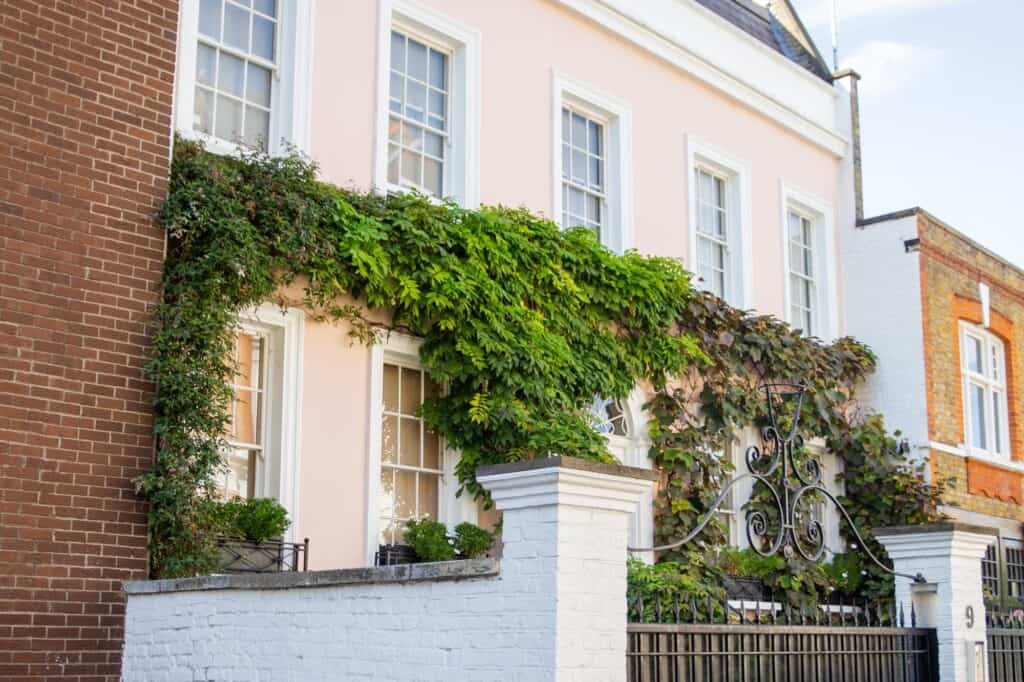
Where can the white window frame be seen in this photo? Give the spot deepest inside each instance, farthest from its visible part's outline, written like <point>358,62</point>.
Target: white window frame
<point>292,82</point>
<point>739,216</point>
<point>283,330</point>
<point>822,218</point>
<point>989,342</point>
<point>616,117</point>
<point>462,45</point>
<point>403,350</point>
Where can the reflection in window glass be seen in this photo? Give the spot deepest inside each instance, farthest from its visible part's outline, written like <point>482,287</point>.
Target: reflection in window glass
<point>410,453</point>
<point>235,60</point>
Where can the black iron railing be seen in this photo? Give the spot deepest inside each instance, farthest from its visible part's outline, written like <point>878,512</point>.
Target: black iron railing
<point>1005,635</point>
<point>739,641</point>
<point>269,556</point>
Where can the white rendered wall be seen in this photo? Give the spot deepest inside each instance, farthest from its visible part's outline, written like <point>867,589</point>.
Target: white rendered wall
<point>883,309</point>
<point>556,611</point>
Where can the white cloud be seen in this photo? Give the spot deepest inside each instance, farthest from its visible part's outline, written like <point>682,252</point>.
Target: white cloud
<point>887,66</point>
<point>816,13</point>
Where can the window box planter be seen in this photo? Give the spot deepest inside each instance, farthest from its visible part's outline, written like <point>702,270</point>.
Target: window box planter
<point>392,555</point>
<point>270,556</point>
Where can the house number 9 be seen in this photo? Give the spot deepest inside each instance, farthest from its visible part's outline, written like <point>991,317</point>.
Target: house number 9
<point>970,616</point>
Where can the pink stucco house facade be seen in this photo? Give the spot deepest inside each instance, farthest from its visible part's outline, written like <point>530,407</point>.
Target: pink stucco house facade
<point>704,130</point>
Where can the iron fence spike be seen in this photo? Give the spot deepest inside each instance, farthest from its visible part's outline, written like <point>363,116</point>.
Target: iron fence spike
<point>693,609</point>
<point>913,615</point>
<point>675,608</point>
<point>902,621</point>
<point>842,612</point>
<point>742,613</point>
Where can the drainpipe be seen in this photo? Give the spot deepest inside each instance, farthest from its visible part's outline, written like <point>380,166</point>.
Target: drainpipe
<point>858,178</point>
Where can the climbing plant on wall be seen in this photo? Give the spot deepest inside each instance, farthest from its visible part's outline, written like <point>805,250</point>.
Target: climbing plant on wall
<point>524,323</point>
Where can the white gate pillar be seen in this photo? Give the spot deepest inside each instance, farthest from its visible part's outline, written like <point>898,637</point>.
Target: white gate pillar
<point>565,525</point>
<point>948,555</point>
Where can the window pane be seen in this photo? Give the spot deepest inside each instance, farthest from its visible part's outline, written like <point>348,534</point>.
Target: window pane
<point>389,439</point>
<point>997,423</point>
<point>595,173</point>
<point>579,131</point>
<point>579,166</point>
<point>397,93</point>
<point>409,442</point>
<point>397,53</point>
<point>593,209</point>
<point>974,349</point>
<point>417,60</point>
<point>206,65</point>
<point>232,74</point>
<point>576,200</point>
<point>257,127</point>
<point>432,177</point>
<point>257,85</point>
<point>209,18</point>
<point>412,136</point>
<point>719,196</point>
<point>565,126</point>
<point>596,138</point>
<point>434,145</point>
<point>236,27</point>
<point>436,107</point>
<point>390,388</point>
<point>263,38</point>
<point>411,397</point>
<point>431,450</point>
<point>978,429</point>
<point>229,118</point>
<point>394,153</point>
<point>416,101</point>
<point>268,7</point>
<point>203,119</point>
<point>412,167</point>
<point>405,494</point>
<point>795,230</point>
<point>428,495</point>
<point>438,70</point>
<point>387,492</point>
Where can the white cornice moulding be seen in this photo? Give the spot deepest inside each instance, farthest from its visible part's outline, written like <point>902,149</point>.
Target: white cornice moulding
<point>561,486</point>
<point>711,49</point>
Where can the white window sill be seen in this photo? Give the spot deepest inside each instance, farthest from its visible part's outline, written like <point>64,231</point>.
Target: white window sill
<point>1005,462</point>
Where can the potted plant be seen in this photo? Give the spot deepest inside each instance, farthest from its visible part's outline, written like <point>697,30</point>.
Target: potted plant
<point>250,538</point>
<point>428,540</point>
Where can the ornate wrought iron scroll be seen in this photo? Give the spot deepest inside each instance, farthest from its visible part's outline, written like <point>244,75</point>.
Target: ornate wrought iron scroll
<point>790,483</point>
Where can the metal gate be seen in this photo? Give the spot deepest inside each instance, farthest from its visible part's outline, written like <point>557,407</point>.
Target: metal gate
<point>767,640</point>
<point>1005,635</point>
<point>764,641</point>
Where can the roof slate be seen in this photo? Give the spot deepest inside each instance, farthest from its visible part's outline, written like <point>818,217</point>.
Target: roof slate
<point>760,23</point>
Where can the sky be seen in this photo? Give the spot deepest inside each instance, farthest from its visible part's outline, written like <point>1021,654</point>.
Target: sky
<point>942,108</point>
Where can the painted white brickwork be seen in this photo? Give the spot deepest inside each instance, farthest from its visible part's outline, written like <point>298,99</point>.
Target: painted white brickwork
<point>556,611</point>
<point>948,555</point>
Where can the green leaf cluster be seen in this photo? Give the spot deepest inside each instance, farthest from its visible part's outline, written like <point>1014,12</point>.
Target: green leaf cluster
<point>524,323</point>
<point>430,540</point>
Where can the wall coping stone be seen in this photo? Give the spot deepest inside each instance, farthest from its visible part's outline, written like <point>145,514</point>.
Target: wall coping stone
<point>562,462</point>
<point>940,527</point>
<point>403,573</point>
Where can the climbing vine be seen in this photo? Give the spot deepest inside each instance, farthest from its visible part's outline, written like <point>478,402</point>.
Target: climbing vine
<point>523,322</point>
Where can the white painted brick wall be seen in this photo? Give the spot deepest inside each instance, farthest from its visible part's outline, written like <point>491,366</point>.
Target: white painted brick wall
<point>557,611</point>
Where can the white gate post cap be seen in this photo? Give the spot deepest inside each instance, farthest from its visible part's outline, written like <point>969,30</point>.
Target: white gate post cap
<point>936,539</point>
<point>565,481</point>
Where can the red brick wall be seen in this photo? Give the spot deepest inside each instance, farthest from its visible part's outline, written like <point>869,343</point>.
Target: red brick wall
<point>85,118</point>
<point>951,268</point>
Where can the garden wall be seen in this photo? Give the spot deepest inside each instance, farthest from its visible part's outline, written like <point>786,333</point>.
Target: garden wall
<point>554,609</point>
